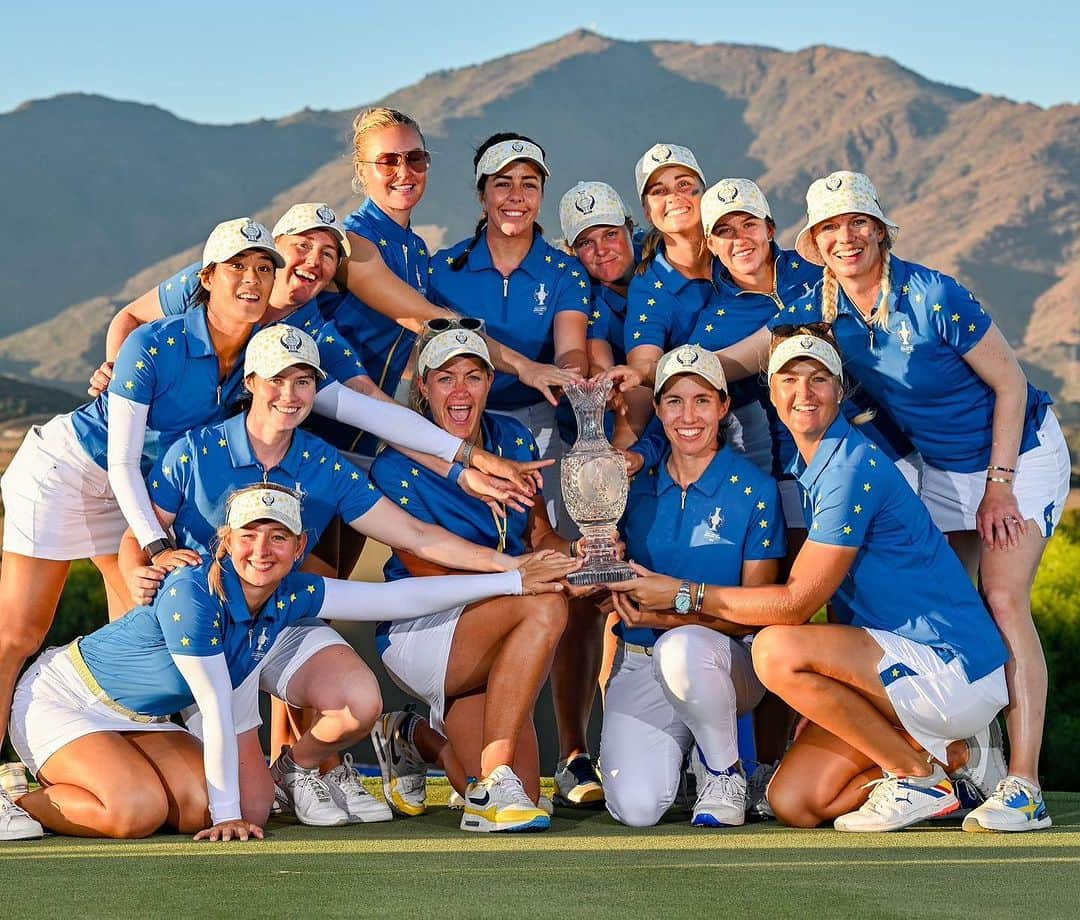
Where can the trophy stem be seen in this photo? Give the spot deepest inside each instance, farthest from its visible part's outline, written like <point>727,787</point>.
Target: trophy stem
<point>600,542</point>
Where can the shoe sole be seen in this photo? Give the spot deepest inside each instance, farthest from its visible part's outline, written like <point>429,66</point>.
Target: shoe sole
<point>590,800</point>
<point>22,835</point>
<point>382,753</point>
<point>710,821</point>
<point>479,824</point>
<point>940,813</point>
<point>336,823</point>
<point>974,826</point>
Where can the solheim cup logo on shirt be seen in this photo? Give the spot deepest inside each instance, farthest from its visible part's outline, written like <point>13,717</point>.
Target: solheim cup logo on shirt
<point>291,341</point>
<point>251,231</point>
<point>713,523</point>
<point>833,183</point>
<point>585,203</point>
<point>540,295</point>
<point>325,214</point>
<point>905,337</point>
<point>727,193</point>
<point>661,153</point>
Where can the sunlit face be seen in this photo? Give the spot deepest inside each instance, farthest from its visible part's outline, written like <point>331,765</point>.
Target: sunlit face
<point>691,412</point>
<point>672,199</point>
<point>607,253</point>
<point>284,400</point>
<point>850,245</point>
<point>806,396</point>
<point>240,288</point>
<point>311,259</point>
<point>401,190</point>
<point>264,552</point>
<point>457,393</point>
<point>742,242</point>
<point>511,199</point>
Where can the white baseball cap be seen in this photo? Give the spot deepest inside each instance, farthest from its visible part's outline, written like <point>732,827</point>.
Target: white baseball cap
<point>234,236</point>
<point>450,344</point>
<point>690,359</point>
<point>729,196</point>
<point>841,192</point>
<point>588,205</point>
<point>273,349</point>
<point>312,215</point>
<point>499,155</point>
<point>264,503</point>
<point>806,346</point>
<point>660,155</point>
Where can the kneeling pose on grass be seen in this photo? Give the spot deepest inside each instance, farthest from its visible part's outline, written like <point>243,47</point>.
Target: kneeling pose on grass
<point>91,718</point>
<point>915,663</point>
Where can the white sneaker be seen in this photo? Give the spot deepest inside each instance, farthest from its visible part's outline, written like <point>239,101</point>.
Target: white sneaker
<point>546,805</point>
<point>757,784</point>
<point>15,824</point>
<point>305,794</point>
<point>404,772</point>
<point>721,797</point>
<point>349,793</point>
<point>498,803</point>
<point>976,781</point>
<point>1016,805</point>
<point>899,801</point>
<point>456,802</point>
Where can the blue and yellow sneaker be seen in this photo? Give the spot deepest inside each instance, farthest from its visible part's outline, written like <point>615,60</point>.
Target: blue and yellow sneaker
<point>577,784</point>
<point>1016,805</point>
<point>404,772</point>
<point>498,803</point>
<point>899,801</point>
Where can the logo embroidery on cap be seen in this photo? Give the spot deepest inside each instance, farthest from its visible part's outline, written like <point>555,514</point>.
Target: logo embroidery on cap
<point>727,193</point>
<point>517,146</point>
<point>834,182</point>
<point>806,342</point>
<point>291,341</point>
<point>267,499</point>
<point>661,153</point>
<point>251,231</point>
<point>585,203</point>
<point>325,214</point>
<point>461,338</point>
<point>687,356</point>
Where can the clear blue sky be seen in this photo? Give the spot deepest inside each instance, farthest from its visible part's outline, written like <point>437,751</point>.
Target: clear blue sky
<point>223,62</point>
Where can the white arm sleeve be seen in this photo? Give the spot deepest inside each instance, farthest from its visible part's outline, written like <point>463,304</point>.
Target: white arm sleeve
<point>127,431</point>
<point>411,597</point>
<point>209,681</point>
<point>385,420</point>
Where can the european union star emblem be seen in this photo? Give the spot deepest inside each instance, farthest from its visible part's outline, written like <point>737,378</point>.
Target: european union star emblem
<point>894,672</point>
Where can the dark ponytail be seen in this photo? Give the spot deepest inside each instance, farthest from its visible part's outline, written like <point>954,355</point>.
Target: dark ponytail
<point>650,246</point>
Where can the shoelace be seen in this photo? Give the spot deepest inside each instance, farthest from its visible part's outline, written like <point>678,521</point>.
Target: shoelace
<point>1010,787</point>
<point>314,784</point>
<point>8,807</point>
<point>513,791</point>
<point>345,777</point>
<point>728,789</point>
<point>882,793</point>
<point>581,769</point>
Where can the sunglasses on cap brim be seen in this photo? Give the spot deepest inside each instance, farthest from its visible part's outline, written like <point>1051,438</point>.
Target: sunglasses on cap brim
<point>445,323</point>
<point>787,330</point>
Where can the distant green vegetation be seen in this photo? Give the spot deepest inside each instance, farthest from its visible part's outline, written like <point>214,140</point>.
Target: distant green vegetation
<point>18,399</point>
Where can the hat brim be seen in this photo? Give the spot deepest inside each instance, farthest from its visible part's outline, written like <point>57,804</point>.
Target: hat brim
<point>340,235</point>
<point>759,213</point>
<point>719,385</point>
<point>807,248</point>
<point>267,372</point>
<point>648,176</point>
<point>278,259</point>
<point>455,353</point>
<point>502,164</point>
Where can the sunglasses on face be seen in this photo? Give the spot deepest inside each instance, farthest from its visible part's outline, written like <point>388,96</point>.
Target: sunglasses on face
<point>443,323</point>
<point>786,331</point>
<point>386,164</point>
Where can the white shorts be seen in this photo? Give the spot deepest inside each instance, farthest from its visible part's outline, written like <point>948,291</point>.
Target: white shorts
<point>937,704</point>
<point>245,708</point>
<point>540,420</point>
<point>418,655</point>
<point>292,649</point>
<point>1041,485</point>
<point>57,502</point>
<point>53,706</point>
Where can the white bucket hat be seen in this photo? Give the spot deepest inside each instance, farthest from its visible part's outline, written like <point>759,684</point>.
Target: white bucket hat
<point>841,192</point>
<point>499,155</point>
<point>588,205</point>
<point>660,155</point>
<point>312,215</point>
<point>273,349</point>
<point>729,196</point>
<point>233,236</point>
<point>450,344</point>
<point>806,346</point>
<point>690,359</point>
<point>264,504</point>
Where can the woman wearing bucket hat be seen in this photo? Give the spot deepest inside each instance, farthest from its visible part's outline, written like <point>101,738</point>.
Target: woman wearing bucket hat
<point>481,666</point>
<point>76,482</point>
<point>914,664</point>
<point>96,729</point>
<point>705,515</point>
<point>995,462</point>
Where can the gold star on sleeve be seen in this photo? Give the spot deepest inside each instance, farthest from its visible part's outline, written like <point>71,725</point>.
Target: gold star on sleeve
<point>637,335</point>
<point>154,484</point>
<point>955,317</point>
<point>281,605</point>
<point>936,307</point>
<point>857,509</point>
<point>185,641</point>
<point>139,365</point>
<point>217,624</point>
<point>422,252</point>
<point>574,273</point>
<point>306,455</point>
<point>748,490</point>
<point>348,352</point>
<point>561,265</point>
<point>355,475</point>
<point>547,259</point>
<point>847,528</point>
<point>651,302</point>
<point>642,317</point>
<point>761,506</point>
<point>337,466</point>
<point>404,483</point>
<point>153,351</point>
<point>176,617</point>
<point>310,589</point>
<point>766,543</point>
<point>172,592</point>
<point>292,598</point>
<point>971,327</point>
<point>794,264</point>
<point>520,442</point>
<point>382,242</point>
<point>709,327</point>
<point>721,312</point>
<point>184,458</point>
<point>763,523</point>
<point>866,487</point>
<point>214,640</point>
<point>658,284</point>
<point>205,450</point>
<point>449,260</point>
<point>873,462</point>
<point>404,500</point>
<point>414,471</point>
<point>129,384</point>
<point>581,283</point>
<point>585,300</point>
<point>222,442</point>
<point>596,314</point>
<point>170,341</point>
<point>322,459</point>
<point>431,270</point>
<point>733,480</point>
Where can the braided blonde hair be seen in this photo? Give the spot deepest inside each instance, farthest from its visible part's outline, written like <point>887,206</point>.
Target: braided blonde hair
<point>369,121</point>
<point>830,290</point>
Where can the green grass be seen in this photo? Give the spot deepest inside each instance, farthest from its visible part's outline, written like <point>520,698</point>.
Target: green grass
<point>586,865</point>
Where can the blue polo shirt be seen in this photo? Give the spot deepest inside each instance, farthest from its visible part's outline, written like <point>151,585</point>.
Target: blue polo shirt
<point>433,498</point>
<point>197,474</point>
<point>337,355</point>
<point>916,368</point>
<point>131,658</point>
<point>171,366</point>
<point>519,311</point>
<point>905,578</point>
<point>608,319</point>
<point>731,514</point>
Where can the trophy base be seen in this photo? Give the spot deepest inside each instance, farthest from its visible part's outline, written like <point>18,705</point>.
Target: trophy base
<point>600,576</point>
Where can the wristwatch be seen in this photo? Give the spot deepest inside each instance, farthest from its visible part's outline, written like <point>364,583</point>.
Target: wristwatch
<point>683,599</point>
<point>157,546</point>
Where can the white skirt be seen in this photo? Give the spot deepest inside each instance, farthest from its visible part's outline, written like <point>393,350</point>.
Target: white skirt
<point>54,705</point>
<point>57,501</point>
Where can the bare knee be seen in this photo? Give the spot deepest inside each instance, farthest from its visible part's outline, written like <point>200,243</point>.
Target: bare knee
<point>774,655</point>
<point>137,812</point>
<point>1009,605</point>
<point>20,640</point>
<point>791,802</point>
<point>192,808</point>
<point>548,613</point>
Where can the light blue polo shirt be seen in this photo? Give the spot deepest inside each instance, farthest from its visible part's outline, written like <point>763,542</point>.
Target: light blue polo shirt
<point>905,578</point>
<point>731,514</point>
<point>195,477</point>
<point>916,369</point>
<point>131,658</point>
<point>338,357</point>
<point>433,498</point>
<point>171,366</point>
<point>519,311</point>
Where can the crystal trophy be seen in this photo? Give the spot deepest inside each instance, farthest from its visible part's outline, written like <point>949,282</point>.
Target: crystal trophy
<point>594,487</point>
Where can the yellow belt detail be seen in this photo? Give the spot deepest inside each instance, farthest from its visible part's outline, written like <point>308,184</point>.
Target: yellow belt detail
<point>87,677</point>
